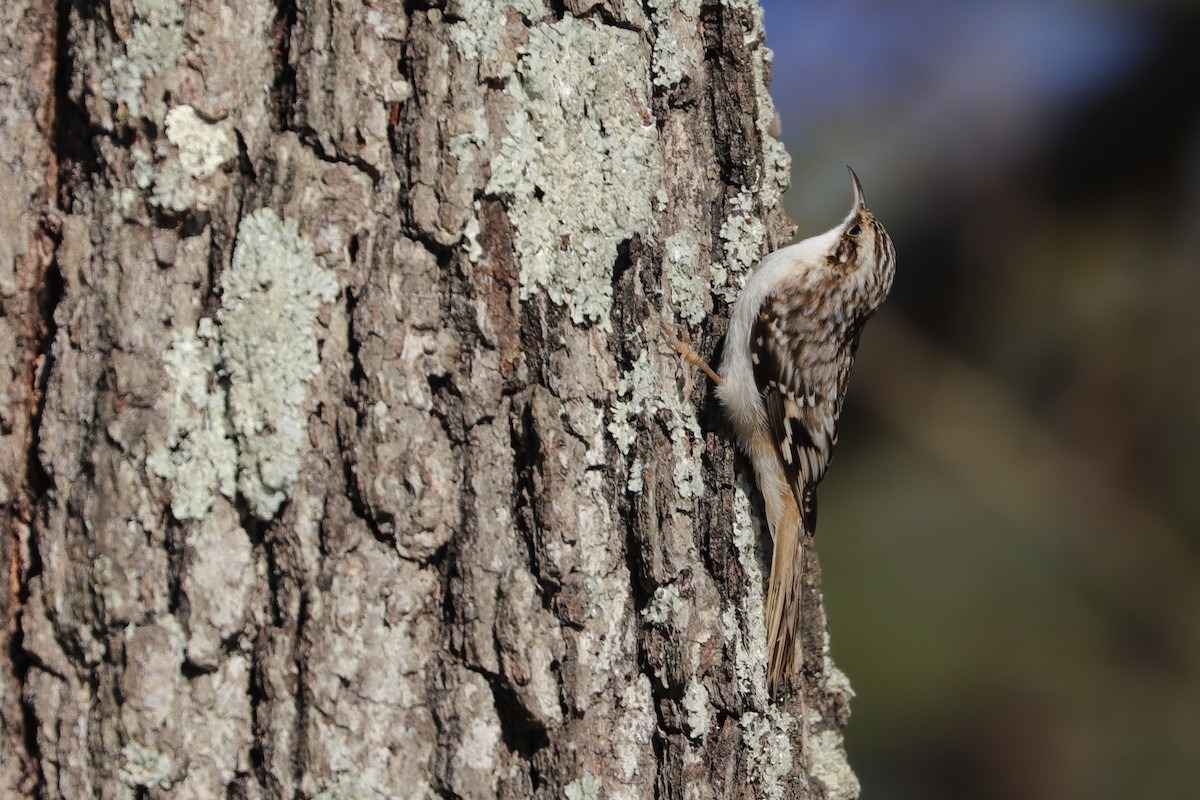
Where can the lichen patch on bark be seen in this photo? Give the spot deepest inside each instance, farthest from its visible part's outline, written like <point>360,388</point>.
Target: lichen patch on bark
<point>576,161</point>
<point>240,380</point>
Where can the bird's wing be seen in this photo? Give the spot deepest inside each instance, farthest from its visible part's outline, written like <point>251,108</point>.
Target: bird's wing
<point>798,416</point>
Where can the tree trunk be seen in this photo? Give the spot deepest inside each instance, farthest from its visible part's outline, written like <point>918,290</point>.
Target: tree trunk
<point>342,455</point>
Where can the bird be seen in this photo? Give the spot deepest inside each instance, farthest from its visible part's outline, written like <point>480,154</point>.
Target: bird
<point>793,334</point>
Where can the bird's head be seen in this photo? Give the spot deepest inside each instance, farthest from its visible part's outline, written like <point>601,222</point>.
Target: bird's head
<point>861,256</point>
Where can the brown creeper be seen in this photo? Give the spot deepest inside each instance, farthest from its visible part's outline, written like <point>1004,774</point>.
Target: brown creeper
<point>791,342</point>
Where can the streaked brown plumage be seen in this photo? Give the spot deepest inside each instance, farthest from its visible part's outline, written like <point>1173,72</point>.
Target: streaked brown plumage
<point>791,342</point>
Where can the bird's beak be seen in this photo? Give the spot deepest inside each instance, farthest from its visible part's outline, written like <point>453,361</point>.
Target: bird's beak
<point>860,202</point>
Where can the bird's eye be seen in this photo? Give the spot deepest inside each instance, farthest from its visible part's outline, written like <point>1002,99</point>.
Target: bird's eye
<point>855,231</point>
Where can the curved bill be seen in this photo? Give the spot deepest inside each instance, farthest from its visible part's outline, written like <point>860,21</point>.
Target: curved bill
<point>860,201</point>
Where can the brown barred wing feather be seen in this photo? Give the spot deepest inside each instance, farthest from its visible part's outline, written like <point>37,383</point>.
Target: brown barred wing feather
<point>802,435</point>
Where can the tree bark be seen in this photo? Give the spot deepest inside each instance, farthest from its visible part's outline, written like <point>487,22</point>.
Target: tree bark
<point>342,455</point>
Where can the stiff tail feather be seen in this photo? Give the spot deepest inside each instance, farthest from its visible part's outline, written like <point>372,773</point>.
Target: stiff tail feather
<point>784,592</point>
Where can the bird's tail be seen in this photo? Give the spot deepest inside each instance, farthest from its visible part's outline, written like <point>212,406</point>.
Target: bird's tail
<point>784,593</point>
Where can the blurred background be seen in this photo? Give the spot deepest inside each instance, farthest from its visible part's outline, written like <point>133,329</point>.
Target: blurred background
<point>1011,534</point>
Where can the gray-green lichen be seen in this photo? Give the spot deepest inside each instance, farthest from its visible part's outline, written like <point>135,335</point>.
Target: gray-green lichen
<point>836,681</point>
<point>637,476</point>
<point>463,146</point>
<point>675,57</point>
<point>346,787</point>
<point>606,638</point>
<point>199,458</point>
<point>742,237</point>
<point>744,624</point>
<point>471,231</point>
<point>663,606</point>
<point>144,767</point>
<point>477,749</point>
<point>155,44</point>
<point>673,60</point>
<point>173,189</point>
<point>642,393</point>
<point>827,749</point>
<point>689,288</point>
<point>768,748</point>
<point>637,721</point>
<point>776,160</point>
<point>828,763</point>
<point>576,162</point>
<point>270,297</point>
<point>203,146</point>
<point>177,178</point>
<point>689,8</point>
<point>697,717</point>
<point>585,787</point>
<point>743,233</point>
<point>263,348</point>
<point>479,33</point>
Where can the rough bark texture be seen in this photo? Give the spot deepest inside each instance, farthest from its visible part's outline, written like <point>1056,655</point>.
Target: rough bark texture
<point>29,180</point>
<point>360,468</point>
